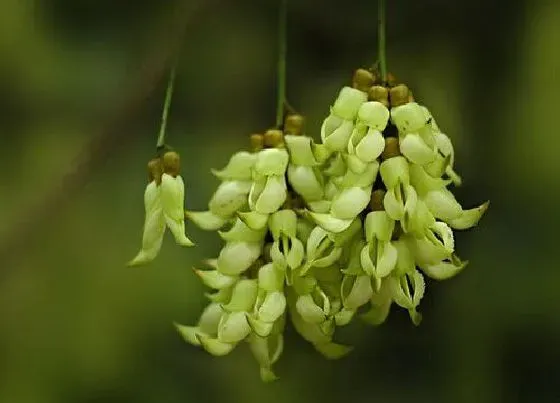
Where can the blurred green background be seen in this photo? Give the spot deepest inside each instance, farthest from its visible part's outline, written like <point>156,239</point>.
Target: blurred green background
<point>77,326</point>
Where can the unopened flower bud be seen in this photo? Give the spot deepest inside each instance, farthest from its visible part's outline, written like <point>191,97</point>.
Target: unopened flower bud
<point>362,80</point>
<point>155,170</point>
<point>391,148</point>
<point>293,124</point>
<point>376,201</point>
<point>380,94</point>
<point>273,138</point>
<point>399,95</point>
<point>171,163</point>
<point>257,142</point>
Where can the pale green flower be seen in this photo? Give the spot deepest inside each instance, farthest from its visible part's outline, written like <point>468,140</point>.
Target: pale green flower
<point>237,256</point>
<point>380,305</point>
<point>400,199</point>
<point>366,142</point>
<point>338,126</point>
<point>407,291</point>
<point>267,350</point>
<point>303,173</point>
<point>287,250</point>
<point>164,206</point>
<point>239,167</point>
<point>267,194</point>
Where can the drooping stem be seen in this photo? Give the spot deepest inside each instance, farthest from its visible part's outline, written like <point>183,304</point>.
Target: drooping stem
<point>381,22</point>
<point>166,106</point>
<point>281,69</point>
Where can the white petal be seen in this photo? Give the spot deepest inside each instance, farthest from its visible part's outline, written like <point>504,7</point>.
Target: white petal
<point>374,114</point>
<point>393,171</point>
<point>301,152</point>
<point>371,146</point>
<point>241,232</point>
<point>329,222</point>
<point>254,220</point>
<point>152,239</point>
<point>172,199</point>
<point>469,218</point>
<point>335,138</point>
<point>206,220</point>
<point>350,202</point>
<point>259,327</point>
<point>272,161</point>
<point>356,165</point>
<point>366,178</point>
<point>273,195</point>
<point>442,205</point>
<point>378,224</point>
<point>236,257</point>
<point>408,117</point>
<point>238,168</point>
<point>273,306</point>
<point>424,183</point>
<point>386,259</point>
<point>283,222</point>
<point>405,258</point>
<point>309,310</point>
<point>243,296</point>
<point>230,197</point>
<point>270,278</point>
<point>296,254</point>
<point>189,333</point>
<point>416,150</point>
<point>394,203</point>
<point>305,180</point>
<point>348,103</point>
<point>233,328</point>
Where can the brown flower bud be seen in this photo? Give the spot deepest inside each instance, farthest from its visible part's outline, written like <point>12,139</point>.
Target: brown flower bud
<point>171,163</point>
<point>376,200</point>
<point>257,142</point>
<point>293,124</point>
<point>273,138</point>
<point>399,95</point>
<point>362,80</point>
<point>379,94</point>
<point>391,148</point>
<point>155,170</point>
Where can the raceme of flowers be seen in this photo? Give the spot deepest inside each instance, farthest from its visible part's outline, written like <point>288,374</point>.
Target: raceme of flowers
<point>322,233</point>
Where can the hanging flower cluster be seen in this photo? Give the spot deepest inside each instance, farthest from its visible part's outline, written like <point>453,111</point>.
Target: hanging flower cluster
<point>323,233</point>
<point>164,200</point>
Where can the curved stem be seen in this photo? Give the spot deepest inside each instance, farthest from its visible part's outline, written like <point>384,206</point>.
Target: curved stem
<point>381,22</point>
<point>281,72</point>
<point>168,93</point>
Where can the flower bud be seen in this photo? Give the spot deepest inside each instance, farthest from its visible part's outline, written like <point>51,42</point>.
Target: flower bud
<point>257,142</point>
<point>293,125</point>
<point>171,163</point>
<point>391,148</point>
<point>380,94</point>
<point>273,138</point>
<point>399,95</point>
<point>362,80</point>
<point>155,170</point>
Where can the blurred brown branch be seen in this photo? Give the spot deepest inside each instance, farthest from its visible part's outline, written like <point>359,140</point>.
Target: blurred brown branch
<point>113,134</point>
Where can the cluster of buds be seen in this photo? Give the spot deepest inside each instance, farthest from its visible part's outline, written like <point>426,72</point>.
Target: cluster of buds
<point>164,207</point>
<point>324,233</point>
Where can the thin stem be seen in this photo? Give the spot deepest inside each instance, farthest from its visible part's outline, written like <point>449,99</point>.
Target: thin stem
<point>166,106</point>
<point>381,22</point>
<point>281,72</point>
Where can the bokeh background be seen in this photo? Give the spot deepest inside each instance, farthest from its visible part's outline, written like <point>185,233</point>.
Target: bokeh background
<point>77,326</point>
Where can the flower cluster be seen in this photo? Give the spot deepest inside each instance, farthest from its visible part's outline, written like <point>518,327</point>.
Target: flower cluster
<point>164,204</point>
<point>327,232</point>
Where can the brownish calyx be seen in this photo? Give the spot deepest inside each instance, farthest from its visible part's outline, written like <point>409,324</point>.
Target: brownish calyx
<point>399,95</point>
<point>362,80</point>
<point>273,138</point>
<point>391,80</point>
<point>155,170</point>
<point>171,163</point>
<point>257,142</point>
<point>391,148</point>
<point>293,124</point>
<point>376,200</point>
<point>397,232</point>
<point>380,94</point>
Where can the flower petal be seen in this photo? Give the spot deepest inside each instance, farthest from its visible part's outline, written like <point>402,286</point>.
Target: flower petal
<point>350,202</point>
<point>394,171</point>
<point>283,222</point>
<point>469,218</point>
<point>348,103</point>
<point>270,278</point>
<point>271,161</point>
<point>214,279</point>
<point>272,307</point>
<point>206,220</point>
<point>386,259</point>
<point>363,179</point>
<point>371,146</point>
<point>335,137</point>
<point>309,310</point>
<point>416,150</point>
<point>333,351</point>
<point>445,270</point>
<point>374,114</point>
<point>378,224</point>
<point>259,327</point>
<point>300,149</point>
<point>360,293</point>
<point>241,232</point>
<point>329,222</point>
<point>230,197</point>
<point>443,205</point>
<point>408,117</point>
<point>243,296</point>
<point>214,346</point>
<point>233,327</point>
<point>296,254</point>
<point>253,219</point>
<point>236,257</point>
<point>238,168</point>
<point>273,195</point>
<point>305,181</point>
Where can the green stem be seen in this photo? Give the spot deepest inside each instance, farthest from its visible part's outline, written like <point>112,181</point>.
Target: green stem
<point>168,93</point>
<point>281,72</point>
<point>381,39</point>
